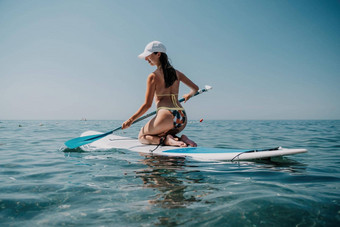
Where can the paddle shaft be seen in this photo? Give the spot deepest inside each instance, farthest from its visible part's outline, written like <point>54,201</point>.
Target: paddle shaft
<point>77,142</point>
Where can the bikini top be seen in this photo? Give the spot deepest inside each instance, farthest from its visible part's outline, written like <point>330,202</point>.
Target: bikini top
<point>174,102</point>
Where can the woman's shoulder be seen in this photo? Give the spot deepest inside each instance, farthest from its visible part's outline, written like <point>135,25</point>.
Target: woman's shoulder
<point>156,75</point>
<point>151,78</point>
<point>153,74</point>
<point>154,78</point>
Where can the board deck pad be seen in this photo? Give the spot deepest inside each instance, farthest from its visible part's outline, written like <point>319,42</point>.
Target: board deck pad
<point>199,153</point>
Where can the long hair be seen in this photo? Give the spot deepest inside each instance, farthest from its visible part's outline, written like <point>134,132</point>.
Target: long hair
<point>168,70</point>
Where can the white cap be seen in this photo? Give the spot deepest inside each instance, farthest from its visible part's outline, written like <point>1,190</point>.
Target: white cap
<point>154,46</point>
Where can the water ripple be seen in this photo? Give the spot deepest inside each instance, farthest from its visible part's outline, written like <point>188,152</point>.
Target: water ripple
<point>46,184</point>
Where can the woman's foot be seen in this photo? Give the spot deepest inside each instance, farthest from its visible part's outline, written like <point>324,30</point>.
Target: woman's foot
<point>171,141</point>
<point>188,141</point>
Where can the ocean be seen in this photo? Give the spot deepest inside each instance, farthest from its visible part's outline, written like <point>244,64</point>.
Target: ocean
<point>44,184</point>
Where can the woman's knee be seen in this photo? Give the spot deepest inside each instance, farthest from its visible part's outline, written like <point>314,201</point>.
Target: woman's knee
<point>142,139</point>
<point>141,134</point>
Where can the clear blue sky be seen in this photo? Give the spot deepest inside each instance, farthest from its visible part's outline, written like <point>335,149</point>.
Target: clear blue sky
<point>76,58</point>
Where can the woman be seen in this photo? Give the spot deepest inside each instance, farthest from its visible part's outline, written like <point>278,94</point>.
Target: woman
<point>163,85</point>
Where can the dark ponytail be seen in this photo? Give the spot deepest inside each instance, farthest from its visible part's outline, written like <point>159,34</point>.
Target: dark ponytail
<point>169,72</point>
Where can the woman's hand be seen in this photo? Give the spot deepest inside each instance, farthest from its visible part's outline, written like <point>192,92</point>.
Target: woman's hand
<point>187,97</point>
<point>127,124</point>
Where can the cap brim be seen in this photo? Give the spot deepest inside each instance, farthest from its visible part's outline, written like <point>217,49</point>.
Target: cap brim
<point>144,54</point>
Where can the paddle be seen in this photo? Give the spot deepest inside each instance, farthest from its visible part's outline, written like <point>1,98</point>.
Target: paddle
<point>77,142</point>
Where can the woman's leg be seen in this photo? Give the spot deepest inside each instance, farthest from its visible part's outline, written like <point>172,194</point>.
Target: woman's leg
<point>157,127</point>
<point>171,141</point>
<point>188,141</point>
<point>153,130</point>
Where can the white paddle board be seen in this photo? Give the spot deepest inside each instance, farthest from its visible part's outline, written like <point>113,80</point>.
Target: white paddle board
<point>199,153</point>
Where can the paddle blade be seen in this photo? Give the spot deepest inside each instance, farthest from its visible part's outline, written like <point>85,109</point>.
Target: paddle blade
<point>77,142</point>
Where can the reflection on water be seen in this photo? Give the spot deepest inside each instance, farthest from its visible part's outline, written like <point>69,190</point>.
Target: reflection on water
<point>165,174</point>
<point>175,177</point>
<point>180,183</point>
<point>281,164</point>
<point>42,186</point>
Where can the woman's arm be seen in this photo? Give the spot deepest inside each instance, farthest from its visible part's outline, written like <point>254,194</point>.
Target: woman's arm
<point>194,88</point>
<point>149,95</point>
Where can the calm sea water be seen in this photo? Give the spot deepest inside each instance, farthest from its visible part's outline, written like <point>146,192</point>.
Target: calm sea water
<point>41,184</point>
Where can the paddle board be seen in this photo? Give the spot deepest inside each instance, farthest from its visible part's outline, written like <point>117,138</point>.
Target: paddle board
<point>199,153</point>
